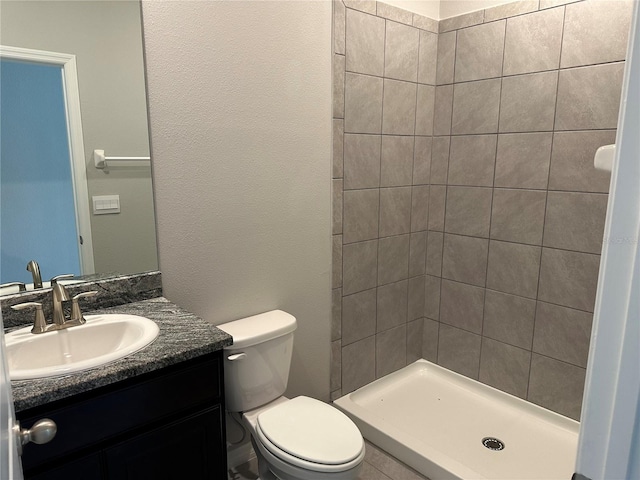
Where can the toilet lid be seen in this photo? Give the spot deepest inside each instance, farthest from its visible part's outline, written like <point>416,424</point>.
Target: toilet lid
<point>312,430</point>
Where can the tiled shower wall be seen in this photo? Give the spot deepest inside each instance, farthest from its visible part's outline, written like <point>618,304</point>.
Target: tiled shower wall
<point>472,237</point>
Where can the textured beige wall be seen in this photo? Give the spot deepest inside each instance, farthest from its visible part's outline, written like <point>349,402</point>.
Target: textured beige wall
<point>106,39</point>
<point>239,100</point>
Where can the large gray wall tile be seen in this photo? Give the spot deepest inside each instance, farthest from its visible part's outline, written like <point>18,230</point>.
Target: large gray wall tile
<point>510,9</point>
<point>575,221</point>
<point>360,266</point>
<point>393,259</point>
<point>391,350</point>
<point>367,6</point>
<point>365,43</point>
<point>596,32</point>
<point>338,148</point>
<point>435,242</point>
<point>443,109</point>
<point>417,253</point>
<point>358,364</point>
<point>437,200</point>
<point>479,52</point>
<point>424,110</point>
<point>513,268</point>
<point>472,159</point>
<point>523,160</point>
<point>562,333</point>
<point>336,365</point>
<point>415,306</point>
<point>414,340</point>
<point>509,318</point>
<point>397,161</point>
<point>401,52</point>
<point>572,161</point>
<point>446,58</point>
<point>363,104</point>
<point>556,385</point>
<point>358,316</point>
<point>395,211</point>
<point>361,161</point>
<point>422,160</point>
<point>461,305</point>
<point>432,297</point>
<point>394,13</point>
<point>336,204</point>
<point>468,211</point>
<point>518,215</point>
<point>465,259</point>
<point>528,102</point>
<point>459,350</point>
<point>569,278</point>
<point>339,26</point>
<point>399,107</point>
<point>589,97</point>
<point>336,314</point>
<point>440,160</point>
<point>428,58</point>
<point>336,261</point>
<point>430,330</point>
<point>361,215</point>
<point>419,207</point>
<point>533,42</point>
<point>475,107</point>
<point>461,21</point>
<point>339,86</point>
<point>392,305</point>
<point>505,367</point>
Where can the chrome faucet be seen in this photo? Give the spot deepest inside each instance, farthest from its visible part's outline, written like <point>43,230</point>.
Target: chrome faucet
<point>60,295</point>
<point>34,268</point>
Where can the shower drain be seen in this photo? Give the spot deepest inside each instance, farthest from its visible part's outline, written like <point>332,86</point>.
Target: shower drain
<point>493,443</point>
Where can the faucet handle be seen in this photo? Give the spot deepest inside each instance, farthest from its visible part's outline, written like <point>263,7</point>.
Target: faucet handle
<point>39,323</point>
<point>76,313</point>
<point>21,286</point>
<point>64,276</point>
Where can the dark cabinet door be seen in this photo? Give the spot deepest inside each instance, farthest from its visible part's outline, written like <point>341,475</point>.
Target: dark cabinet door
<point>86,468</point>
<point>191,448</point>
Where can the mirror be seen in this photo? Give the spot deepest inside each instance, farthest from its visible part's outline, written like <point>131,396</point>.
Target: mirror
<point>106,39</point>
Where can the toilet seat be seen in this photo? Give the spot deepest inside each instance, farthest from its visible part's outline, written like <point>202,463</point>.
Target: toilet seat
<point>311,435</point>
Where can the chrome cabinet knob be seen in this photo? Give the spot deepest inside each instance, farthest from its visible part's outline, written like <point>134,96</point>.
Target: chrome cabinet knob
<point>41,432</point>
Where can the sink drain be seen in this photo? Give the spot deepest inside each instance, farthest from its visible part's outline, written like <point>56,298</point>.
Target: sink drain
<point>493,443</point>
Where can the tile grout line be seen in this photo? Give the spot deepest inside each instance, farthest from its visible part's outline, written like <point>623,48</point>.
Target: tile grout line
<point>546,203</point>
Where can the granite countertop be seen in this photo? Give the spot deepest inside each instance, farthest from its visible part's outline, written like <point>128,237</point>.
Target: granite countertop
<point>182,336</point>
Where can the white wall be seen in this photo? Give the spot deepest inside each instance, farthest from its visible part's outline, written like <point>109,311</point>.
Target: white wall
<point>240,117</point>
<point>452,8</point>
<point>428,8</point>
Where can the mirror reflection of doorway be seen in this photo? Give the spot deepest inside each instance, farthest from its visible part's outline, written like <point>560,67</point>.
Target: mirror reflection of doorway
<point>37,170</point>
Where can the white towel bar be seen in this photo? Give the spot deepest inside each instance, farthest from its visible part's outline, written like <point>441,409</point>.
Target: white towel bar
<point>100,160</point>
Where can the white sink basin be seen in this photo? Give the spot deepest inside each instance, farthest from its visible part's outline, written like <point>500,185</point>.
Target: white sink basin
<point>103,339</point>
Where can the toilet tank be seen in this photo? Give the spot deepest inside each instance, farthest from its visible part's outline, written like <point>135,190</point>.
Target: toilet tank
<point>256,366</point>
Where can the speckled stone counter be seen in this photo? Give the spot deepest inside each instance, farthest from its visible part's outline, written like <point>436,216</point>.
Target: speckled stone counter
<point>112,290</point>
<point>182,336</point>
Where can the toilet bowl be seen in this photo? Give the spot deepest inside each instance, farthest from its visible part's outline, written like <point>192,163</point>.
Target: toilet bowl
<point>294,439</point>
<point>304,438</point>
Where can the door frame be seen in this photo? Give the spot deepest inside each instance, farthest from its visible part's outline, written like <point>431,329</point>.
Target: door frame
<point>67,62</point>
<point>609,425</point>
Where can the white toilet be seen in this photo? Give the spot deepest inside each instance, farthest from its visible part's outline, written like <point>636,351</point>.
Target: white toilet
<point>297,439</point>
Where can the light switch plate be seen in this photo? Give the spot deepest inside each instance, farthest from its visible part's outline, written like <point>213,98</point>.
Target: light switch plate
<point>105,204</point>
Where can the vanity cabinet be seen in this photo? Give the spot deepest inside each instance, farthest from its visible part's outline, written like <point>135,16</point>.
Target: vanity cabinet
<point>166,424</point>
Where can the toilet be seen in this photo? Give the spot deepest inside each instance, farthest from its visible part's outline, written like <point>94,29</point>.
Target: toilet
<point>294,439</point>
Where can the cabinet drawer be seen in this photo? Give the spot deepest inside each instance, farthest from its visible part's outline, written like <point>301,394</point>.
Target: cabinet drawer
<point>126,407</point>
